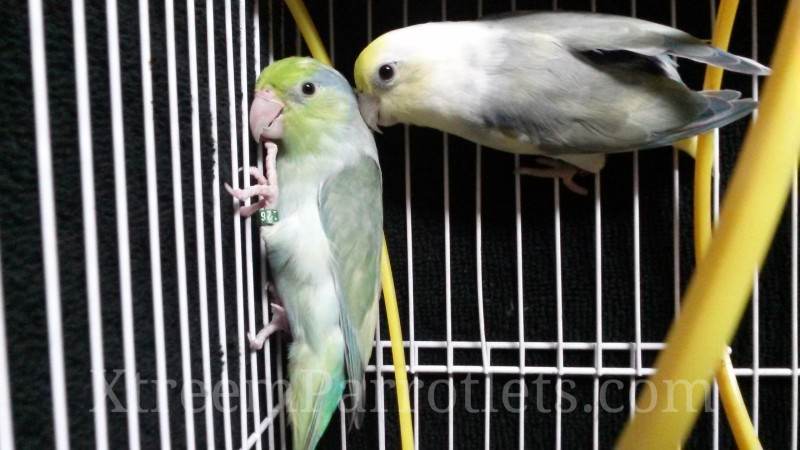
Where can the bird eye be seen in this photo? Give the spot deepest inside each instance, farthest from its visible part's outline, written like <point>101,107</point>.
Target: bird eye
<point>386,72</point>
<point>309,88</point>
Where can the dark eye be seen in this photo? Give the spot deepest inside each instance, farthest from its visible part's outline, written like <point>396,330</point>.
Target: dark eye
<point>309,88</point>
<point>386,72</point>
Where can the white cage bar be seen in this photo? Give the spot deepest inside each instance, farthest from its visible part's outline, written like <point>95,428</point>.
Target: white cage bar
<point>44,167</point>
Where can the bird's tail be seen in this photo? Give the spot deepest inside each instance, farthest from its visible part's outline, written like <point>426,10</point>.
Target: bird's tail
<point>722,108</point>
<point>317,383</point>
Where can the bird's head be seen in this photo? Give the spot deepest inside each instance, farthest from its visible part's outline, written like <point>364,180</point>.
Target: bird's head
<point>394,73</point>
<point>298,99</point>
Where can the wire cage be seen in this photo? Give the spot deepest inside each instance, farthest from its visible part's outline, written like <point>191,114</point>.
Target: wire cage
<point>531,314</point>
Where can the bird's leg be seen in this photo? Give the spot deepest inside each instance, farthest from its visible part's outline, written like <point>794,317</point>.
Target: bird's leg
<point>266,187</point>
<point>279,322</point>
<point>556,169</point>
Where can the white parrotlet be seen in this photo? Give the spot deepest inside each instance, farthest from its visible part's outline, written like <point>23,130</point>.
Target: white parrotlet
<point>569,86</point>
<point>324,251</point>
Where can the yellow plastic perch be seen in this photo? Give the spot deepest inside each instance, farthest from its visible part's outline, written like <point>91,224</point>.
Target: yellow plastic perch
<point>718,293</point>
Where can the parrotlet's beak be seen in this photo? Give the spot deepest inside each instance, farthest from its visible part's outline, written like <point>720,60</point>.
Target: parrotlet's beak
<point>370,107</point>
<point>266,120</point>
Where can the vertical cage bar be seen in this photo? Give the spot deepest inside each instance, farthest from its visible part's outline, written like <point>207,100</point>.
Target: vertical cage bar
<point>447,277</point>
<point>262,249</point>
<point>559,306</point>
<point>520,288</point>
<point>413,349</point>
<point>598,286</point>
<point>89,227</point>
<point>200,227</point>
<point>281,392</point>
<point>715,179</point>
<point>298,42</point>
<point>215,193</point>
<point>479,281</point>
<point>632,386</point>
<point>123,239</point>
<point>342,425</point>
<point>180,247</point>
<point>6,423</point>
<point>448,294</point>
<point>379,400</point>
<point>248,229</point>
<point>44,163</point>
<point>153,225</point>
<point>676,231</point>
<point>794,319</point>
<point>756,351</point>
<point>520,297</point>
<point>637,294</point>
<point>676,200</point>
<point>598,318</point>
<point>237,223</point>
<point>715,416</point>
<point>715,189</point>
<point>637,268</point>
<point>479,288</point>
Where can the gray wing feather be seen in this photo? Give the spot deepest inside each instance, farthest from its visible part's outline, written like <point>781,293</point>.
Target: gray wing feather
<point>592,31</point>
<point>352,217</point>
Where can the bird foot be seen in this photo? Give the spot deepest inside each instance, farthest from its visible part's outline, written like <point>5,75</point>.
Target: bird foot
<point>556,169</point>
<point>279,322</point>
<point>266,188</point>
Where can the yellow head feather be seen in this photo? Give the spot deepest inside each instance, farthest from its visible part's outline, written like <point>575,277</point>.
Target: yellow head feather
<point>366,64</point>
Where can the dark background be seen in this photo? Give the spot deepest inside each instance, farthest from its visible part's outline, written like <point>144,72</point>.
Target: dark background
<point>22,256</point>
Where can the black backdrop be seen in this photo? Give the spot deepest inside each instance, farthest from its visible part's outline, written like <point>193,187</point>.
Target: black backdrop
<point>21,249</point>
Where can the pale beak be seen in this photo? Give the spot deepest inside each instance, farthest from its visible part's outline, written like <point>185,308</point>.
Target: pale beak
<point>266,120</point>
<point>370,107</point>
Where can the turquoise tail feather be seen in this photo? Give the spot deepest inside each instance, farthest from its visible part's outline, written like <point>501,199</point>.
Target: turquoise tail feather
<point>317,383</point>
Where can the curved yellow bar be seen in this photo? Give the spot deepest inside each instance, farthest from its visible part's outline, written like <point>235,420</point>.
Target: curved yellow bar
<point>736,412</point>
<point>719,291</point>
<point>744,433</point>
<point>308,30</point>
<point>723,27</point>
<point>398,355</point>
<point>312,39</point>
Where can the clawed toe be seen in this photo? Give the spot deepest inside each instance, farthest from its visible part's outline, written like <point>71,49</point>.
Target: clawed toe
<point>279,322</point>
<point>265,189</point>
<point>556,169</point>
<point>255,343</point>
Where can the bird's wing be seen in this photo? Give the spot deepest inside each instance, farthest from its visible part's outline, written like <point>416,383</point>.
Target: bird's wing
<point>569,99</point>
<point>591,31</point>
<point>563,102</point>
<point>351,211</point>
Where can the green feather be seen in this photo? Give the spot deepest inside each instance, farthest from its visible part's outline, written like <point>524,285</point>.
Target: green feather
<point>324,253</point>
<point>351,214</point>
